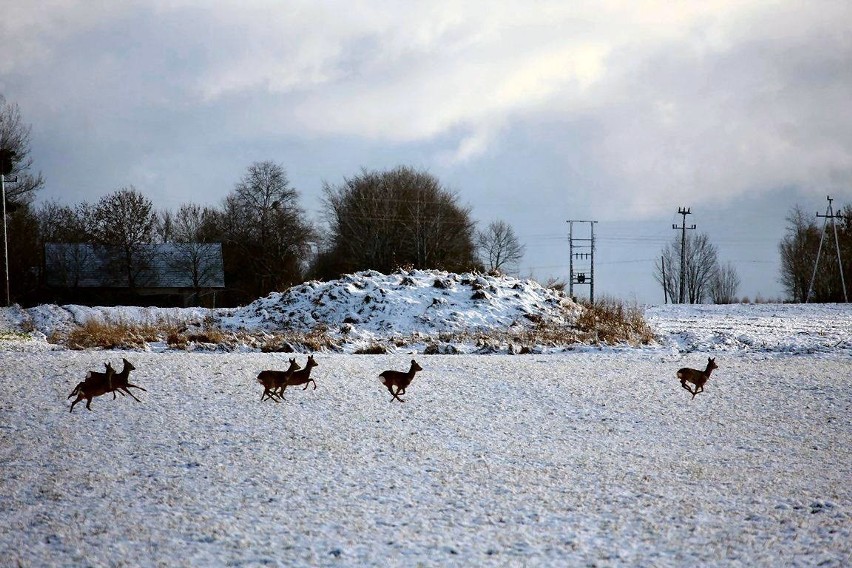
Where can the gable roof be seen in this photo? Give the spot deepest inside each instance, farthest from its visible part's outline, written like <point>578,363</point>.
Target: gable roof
<point>168,265</point>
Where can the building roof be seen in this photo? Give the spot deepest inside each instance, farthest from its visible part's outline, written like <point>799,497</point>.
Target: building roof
<point>169,265</point>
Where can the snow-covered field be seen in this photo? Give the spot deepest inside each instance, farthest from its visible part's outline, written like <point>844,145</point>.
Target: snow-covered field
<point>584,457</point>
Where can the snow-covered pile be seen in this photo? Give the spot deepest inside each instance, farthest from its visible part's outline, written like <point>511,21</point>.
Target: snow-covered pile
<point>403,303</point>
<point>416,308</point>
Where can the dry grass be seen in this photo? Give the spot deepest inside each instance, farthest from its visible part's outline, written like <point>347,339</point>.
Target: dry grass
<point>607,322</point>
<point>96,334</point>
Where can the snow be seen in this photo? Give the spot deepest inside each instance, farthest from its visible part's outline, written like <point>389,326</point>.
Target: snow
<point>585,456</point>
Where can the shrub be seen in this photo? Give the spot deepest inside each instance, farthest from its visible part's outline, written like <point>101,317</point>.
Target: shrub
<point>608,321</point>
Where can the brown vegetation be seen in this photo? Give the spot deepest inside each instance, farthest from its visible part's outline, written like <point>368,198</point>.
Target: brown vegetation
<point>606,322</point>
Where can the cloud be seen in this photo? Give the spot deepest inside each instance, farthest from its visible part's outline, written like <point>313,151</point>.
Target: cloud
<point>756,114</point>
<point>660,102</point>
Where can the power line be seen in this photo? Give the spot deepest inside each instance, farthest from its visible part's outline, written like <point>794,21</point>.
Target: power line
<point>683,211</point>
<point>581,277</point>
<point>829,214</point>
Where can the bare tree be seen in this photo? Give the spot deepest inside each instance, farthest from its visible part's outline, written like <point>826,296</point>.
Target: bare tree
<point>798,253</point>
<point>164,226</point>
<point>59,223</point>
<point>192,255</point>
<point>384,220</point>
<point>62,240</point>
<point>265,232</point>
<point>724,285</point>
<point>701,266</point>
<point>667,271</point>
<point>264,190</point>
<point>499,246</point>
<point>123,222</point>
<point>15,136</point>
<point>799,249</point>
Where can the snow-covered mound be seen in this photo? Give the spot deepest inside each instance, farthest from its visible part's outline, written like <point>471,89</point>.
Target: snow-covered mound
<point>419,308</point>
<point>409,302</point>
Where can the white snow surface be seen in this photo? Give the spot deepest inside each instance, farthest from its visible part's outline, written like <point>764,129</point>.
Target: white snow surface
<point>577,457</point>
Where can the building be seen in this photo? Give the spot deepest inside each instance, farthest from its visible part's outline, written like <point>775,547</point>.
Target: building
<point>164,274</point>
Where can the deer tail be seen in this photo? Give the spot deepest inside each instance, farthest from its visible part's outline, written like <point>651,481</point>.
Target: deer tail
<point>76,390</point>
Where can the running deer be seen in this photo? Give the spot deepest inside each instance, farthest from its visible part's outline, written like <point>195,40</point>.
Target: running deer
<point>399,379</point>
<point>120,381</point>
<point>274,382</point>
<point>302,376</point>
<point>95,384</point>
<point>696,377</point>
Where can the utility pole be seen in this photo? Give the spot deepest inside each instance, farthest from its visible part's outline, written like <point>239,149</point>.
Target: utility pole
<point>581,277</point>
<point>683,211</point>
<point>829,214</point>
<point>7,158</point>
<point>5,239</point>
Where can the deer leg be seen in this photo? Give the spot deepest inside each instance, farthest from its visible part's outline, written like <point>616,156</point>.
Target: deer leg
<point>79,398</point>
<point>128,392</point>
<point>684,385</point>
<point>76,390</point>
<point>136,387</point>
<point>270,394</point>
<point>393,394</point>
<point>396,394</point>
<point>89,403</point>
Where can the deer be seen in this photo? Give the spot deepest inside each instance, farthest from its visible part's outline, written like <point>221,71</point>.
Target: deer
<point>95,384</point>
<point>301,376</point>
<point>273,381</point>
<point>399,379</point>
<point>120,381</point>
<point>696,377</point>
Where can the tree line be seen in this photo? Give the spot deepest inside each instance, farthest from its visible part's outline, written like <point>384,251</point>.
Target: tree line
<point>380,220</point>
<point>804,265</point>
<point>807,267</point>
<point>376,220</point>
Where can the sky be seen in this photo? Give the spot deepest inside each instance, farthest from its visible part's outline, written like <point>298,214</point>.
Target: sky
<point>533,112</point>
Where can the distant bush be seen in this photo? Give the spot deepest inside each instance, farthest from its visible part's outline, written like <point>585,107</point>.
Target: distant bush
<point>95,334</point>
<point>609,321</point>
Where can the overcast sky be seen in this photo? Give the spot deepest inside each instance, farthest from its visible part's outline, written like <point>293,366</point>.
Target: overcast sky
<point>534,112</point>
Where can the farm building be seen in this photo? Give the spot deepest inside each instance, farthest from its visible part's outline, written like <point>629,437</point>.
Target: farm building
<point>165,274</point>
